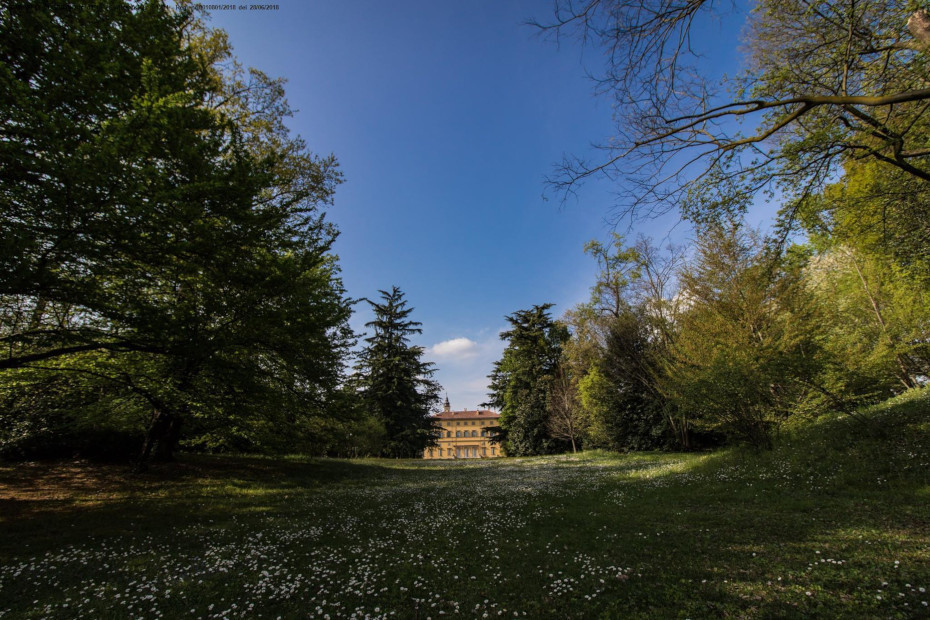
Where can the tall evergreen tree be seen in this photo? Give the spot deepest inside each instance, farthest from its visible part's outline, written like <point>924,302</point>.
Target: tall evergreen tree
<point>630,365</point>
<point>395,385</point>
<point>522,380</point>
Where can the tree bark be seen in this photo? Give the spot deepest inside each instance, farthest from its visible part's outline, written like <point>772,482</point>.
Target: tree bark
<point>160,440</point>
<point>166,444</point>
<point>156,429</point>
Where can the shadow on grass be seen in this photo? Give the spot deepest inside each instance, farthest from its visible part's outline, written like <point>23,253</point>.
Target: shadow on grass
<point>43,504</point>
<point>729,534</point>
<point>830,517</point>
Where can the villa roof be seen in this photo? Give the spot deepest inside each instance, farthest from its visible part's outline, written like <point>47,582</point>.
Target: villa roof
<point>483,414</point>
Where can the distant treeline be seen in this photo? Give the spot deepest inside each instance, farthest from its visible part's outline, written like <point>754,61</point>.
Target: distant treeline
<point>732,336</point>
<point>724,341</point>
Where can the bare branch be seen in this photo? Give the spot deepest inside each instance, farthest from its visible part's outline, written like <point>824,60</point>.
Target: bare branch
<point>827,81</point>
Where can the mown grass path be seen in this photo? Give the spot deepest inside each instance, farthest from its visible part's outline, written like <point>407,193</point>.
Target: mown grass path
<point>833,523</point>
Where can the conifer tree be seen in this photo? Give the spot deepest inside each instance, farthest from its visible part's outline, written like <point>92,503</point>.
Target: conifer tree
<point>522,380</point>
<point>395,385</point>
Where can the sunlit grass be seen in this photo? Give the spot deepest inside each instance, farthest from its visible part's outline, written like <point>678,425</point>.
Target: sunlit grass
<point>833,523</point>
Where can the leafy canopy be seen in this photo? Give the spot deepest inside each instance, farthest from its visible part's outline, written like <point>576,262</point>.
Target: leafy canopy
<point>160,230</point>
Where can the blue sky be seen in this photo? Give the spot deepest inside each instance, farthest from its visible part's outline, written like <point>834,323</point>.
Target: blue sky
<point>446,116</point>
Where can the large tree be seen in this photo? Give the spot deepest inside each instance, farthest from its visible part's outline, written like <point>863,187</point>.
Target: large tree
<point>395,384</point>
<point>871,271</point>
<point>618,338</point>
<point>523,380</point>
<point>747,350</point>
<point>162,232</point>
<point>826,82</point>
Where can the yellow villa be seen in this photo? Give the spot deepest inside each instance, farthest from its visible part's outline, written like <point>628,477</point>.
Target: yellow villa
<point>464,434</point>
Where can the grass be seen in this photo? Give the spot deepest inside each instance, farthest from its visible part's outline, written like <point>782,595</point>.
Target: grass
<point>835,522</point>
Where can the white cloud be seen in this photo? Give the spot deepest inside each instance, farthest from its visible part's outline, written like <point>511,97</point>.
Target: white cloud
<point>463,366</point>
<point>457,347</point>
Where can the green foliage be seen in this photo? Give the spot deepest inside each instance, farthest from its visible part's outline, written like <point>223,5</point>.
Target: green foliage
<point>822,84</point>
<point>343,437</point>
<point>395,385</point>
<point>746,334</point>
<point>594,394</point>
<point>871,269</point>
<point>52,415</point>
<point>832,90</point>
<point>619,267</point>
<point>158,214</point>
<point>745,355</point>
<point>618,391</point>
<point>522,380</point>
<point>874,321</point>
<point>840,50</point>
<point>637,419</point>
<point>618,339</point>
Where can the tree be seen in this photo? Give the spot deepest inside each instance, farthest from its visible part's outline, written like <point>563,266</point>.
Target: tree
<point>619,267</point>
<point>161,230</point>
<point>615,390</point>
<point>874,321</point>
<point>827,82</point>
<point>595,397</point>
<point>618,339</point>
<point>879,211</point>
<point>522,380</point>
<point>746,351</point>
<point>567,420</point>
<point>631,366</point>
<point>394,384</point>
<point>870,270</point>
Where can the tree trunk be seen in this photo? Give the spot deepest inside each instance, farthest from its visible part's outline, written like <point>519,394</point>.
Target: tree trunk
<point>164,448</point>
<point>680,431</point>
<point>160,440</point>
<point>151,438</point>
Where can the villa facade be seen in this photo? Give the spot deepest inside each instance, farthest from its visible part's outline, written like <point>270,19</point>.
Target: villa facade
<point>464,434</point>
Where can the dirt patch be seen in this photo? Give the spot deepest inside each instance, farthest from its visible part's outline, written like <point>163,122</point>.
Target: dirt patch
<point>84,480</point>
<point>74,486</point>
<point>61,481</point>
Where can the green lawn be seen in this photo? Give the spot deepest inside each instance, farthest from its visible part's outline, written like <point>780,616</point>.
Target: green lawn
<point>834,522</point>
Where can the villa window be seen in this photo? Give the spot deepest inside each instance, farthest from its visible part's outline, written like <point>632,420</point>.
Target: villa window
<point>474,433</point>
<point>458,433</point>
